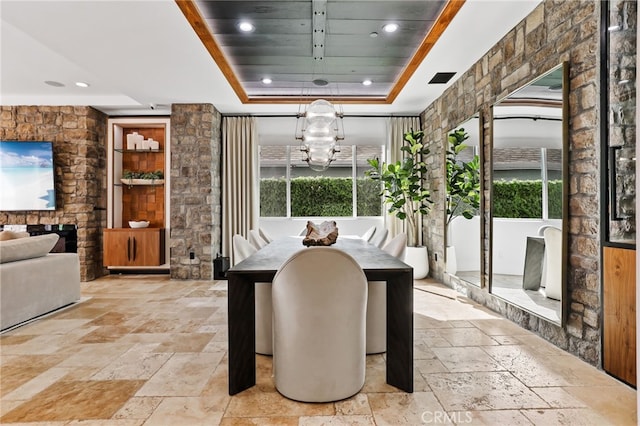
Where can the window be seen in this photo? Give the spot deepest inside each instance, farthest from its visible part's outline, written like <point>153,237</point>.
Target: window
<point>289,188</point>
<point>527,183</point>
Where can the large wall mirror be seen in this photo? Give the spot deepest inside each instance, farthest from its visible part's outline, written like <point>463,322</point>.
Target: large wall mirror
<point>463,220</point>
<point>529,195</point>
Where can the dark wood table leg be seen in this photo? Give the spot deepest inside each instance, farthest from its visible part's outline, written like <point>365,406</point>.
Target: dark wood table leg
<point>242,333</point>
<point>400,331</point>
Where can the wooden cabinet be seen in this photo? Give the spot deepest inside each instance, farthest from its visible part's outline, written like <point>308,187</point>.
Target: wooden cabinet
<point>134,247</point>
<point>619,310</point>
<point>138,185</point>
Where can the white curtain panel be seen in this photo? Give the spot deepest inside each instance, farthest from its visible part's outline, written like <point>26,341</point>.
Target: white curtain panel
<point>398,126</point>
<point>240,176</point>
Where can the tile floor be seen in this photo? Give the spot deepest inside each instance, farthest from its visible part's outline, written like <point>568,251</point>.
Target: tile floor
<point>144,350</point>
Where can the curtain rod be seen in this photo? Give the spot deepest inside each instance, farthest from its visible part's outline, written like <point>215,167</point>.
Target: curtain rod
<point>295,115</point>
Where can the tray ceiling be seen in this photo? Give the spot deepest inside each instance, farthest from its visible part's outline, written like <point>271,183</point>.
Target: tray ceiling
<point>319,48</point>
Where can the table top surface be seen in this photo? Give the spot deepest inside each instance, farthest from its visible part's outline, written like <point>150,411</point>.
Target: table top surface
<point>274,254</point>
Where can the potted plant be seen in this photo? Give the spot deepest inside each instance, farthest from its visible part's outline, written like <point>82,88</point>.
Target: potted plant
<point>462,188</point>
<point>405,196</point>
<point>142,178</point>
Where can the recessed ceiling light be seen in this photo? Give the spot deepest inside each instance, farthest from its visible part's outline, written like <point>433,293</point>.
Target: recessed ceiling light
<point>367,82</point>
<point>390,28</point>
<point>82,84</point>
<point>267,80</point>
<point>246,27</point>
<point>373,34</point>
<point>54,83</point>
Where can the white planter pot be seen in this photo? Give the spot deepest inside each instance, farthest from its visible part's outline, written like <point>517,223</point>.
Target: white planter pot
<point>451,266</point>
<point>418,259</point>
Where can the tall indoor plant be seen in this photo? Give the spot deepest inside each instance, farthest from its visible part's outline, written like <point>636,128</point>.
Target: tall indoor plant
<point>462,187</point>
<point>402,187</point>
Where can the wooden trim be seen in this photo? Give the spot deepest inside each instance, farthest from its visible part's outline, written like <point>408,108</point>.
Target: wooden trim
<point>193,15</point>
<point>199,25</point>
<point>309,99</point>
<point>446,16</point>
<point>553,103</point>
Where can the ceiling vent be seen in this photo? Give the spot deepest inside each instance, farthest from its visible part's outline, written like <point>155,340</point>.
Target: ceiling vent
<point>442,77</point>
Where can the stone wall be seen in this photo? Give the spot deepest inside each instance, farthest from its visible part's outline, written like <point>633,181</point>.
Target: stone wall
<point>622,117</point>
<point>554,32</point>
<point>79,140</point>
<point>196,214</point>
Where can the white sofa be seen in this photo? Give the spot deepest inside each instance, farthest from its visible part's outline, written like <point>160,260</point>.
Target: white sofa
<point>33,281</point>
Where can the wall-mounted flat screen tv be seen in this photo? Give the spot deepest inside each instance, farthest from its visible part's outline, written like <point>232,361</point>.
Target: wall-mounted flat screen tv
<point>26,176</point>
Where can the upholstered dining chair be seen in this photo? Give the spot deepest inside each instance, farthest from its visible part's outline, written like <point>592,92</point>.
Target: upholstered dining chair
<point>241,250</point>
<point>377,301</point>
<point>265,236</point>
<point>319,314</point>
<point>369,234</point>
<point>256,239</point>
<point>379,237</point>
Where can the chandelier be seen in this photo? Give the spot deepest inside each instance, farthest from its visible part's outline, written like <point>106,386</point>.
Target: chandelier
<point>320,133</point>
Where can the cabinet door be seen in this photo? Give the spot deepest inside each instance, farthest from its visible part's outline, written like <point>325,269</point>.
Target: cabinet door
<point>145,248</point>
<point>117,250</point>
<point>129,247</point>
<point>620,313</point>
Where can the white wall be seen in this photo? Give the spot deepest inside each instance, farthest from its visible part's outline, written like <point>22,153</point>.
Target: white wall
<point>510,242</point>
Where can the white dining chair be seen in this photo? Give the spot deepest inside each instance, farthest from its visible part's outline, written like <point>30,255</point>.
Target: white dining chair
<point>369,233</point>
<point>319,317</point>
<point>377,301</point>
<point>264,345</point>
<point>256,240</point>
<point>265,236</point>
<point>379,237</point>
<point>241,249</point>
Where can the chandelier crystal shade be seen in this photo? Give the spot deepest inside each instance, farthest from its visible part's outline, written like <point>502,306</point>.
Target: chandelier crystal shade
<point>319,136</point>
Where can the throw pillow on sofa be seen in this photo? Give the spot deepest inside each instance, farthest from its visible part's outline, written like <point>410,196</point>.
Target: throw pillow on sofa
<point>12,235</point>
<point>27,248</point>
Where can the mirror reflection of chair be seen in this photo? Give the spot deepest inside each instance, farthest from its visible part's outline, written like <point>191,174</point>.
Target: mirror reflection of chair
<point>552,268</point>
<point>319,315</point>
<point>377,301</point>
<point>379,237</point>
<point>369,233</point>
<point>241,250</point>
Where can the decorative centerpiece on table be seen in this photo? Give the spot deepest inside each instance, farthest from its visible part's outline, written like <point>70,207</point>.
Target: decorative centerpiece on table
<point>324,234</point>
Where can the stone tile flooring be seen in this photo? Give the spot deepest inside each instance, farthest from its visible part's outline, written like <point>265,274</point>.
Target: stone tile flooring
<point>148,350</point>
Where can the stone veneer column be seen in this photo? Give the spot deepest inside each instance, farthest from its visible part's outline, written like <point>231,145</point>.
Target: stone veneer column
<point>196,214</point>
<point>79,140</point>
<point>554,32</point>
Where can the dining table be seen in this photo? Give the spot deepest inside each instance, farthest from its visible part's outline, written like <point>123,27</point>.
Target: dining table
<point>262,266</point>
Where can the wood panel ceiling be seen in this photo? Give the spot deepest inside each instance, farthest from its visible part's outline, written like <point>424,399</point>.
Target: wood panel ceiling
<point>296,43</point>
